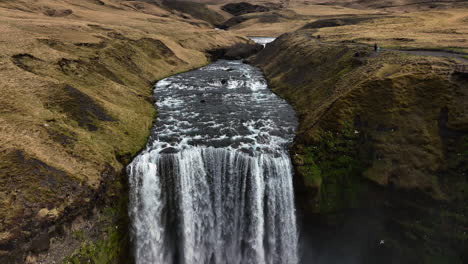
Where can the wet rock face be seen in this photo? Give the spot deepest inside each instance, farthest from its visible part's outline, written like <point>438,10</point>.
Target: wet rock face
<point>378,152</point>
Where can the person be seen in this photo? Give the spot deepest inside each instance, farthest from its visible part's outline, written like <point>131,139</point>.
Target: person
<point>376,48</point>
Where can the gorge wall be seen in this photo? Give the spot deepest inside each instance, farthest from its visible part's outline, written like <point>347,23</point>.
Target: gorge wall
<point>380,155</point>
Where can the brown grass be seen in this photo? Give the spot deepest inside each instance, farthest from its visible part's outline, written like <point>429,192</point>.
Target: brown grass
<point>437,29</point>
<point>76,94</point>
<point>403,25</point>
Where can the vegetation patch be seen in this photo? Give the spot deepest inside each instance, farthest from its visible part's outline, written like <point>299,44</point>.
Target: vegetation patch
<point>242,8</point>
<point>26,61</point>
<point>108,241</point>
<point>197,10</point>
<point>33,193</point>
<point>82,108</point>
<point>57,12</point>
<point>336,22</point>
<point>333,167</point>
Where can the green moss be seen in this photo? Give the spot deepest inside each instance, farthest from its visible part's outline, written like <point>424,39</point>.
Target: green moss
<point>103,251</point>
<point>78,235</point>
<point>107,250</point>
<point>333,166</point>
<point>112,243</point>
<point>312,175</point>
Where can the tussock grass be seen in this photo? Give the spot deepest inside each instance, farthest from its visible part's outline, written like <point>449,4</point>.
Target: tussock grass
<point>77,97</point>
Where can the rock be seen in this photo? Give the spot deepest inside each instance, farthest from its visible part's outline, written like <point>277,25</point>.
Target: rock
<point>5,237</point>
<point>31,260</point>
<point>40,243</point>
<point>169,150</point>
<point>46,213</point>
<point>42,213</point>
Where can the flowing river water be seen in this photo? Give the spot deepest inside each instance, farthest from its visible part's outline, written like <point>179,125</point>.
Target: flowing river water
<point>214,184</point>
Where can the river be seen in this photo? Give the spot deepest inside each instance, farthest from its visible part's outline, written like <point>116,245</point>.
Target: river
<point>214,184</point>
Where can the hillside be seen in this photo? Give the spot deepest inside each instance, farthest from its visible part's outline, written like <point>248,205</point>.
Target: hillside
<point>76,105</point>
<point>380,154</point>
<point>405,25</point>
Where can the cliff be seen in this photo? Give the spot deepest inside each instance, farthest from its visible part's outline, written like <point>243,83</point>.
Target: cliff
<point>381,151</point>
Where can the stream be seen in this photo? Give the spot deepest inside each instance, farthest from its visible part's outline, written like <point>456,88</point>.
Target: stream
<point>214,184</point>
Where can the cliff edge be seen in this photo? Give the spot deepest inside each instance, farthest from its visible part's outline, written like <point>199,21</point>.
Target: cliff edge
<point>381,154</point>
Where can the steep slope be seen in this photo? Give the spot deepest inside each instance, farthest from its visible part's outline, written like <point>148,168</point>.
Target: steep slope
<point>76,105</point>
<point>196,10</point>
<point>381,152</point>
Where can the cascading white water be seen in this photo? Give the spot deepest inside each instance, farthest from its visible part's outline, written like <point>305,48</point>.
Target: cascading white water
<point>214,184</point>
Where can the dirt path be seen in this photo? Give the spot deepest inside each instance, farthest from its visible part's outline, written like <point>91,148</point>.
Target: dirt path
<point>422,52</point>
<point>434,53</point>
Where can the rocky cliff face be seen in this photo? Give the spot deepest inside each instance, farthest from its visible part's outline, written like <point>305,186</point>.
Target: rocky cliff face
<point>381,154</point>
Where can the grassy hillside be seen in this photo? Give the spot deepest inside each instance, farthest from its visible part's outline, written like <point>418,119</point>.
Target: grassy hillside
<point>76,105</point>
<point>380,153</point>
<point>196,10</point>
<point>407,24</point>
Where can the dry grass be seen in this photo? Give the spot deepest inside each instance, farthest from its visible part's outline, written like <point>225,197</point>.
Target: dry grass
<point>292,17</point>
<point>25,94</point>
<point>75,84</point>
<point>396,24</point>
<point>436,29</point>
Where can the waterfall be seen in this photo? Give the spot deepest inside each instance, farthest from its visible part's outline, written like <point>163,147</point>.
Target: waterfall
<point>211,198</point>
